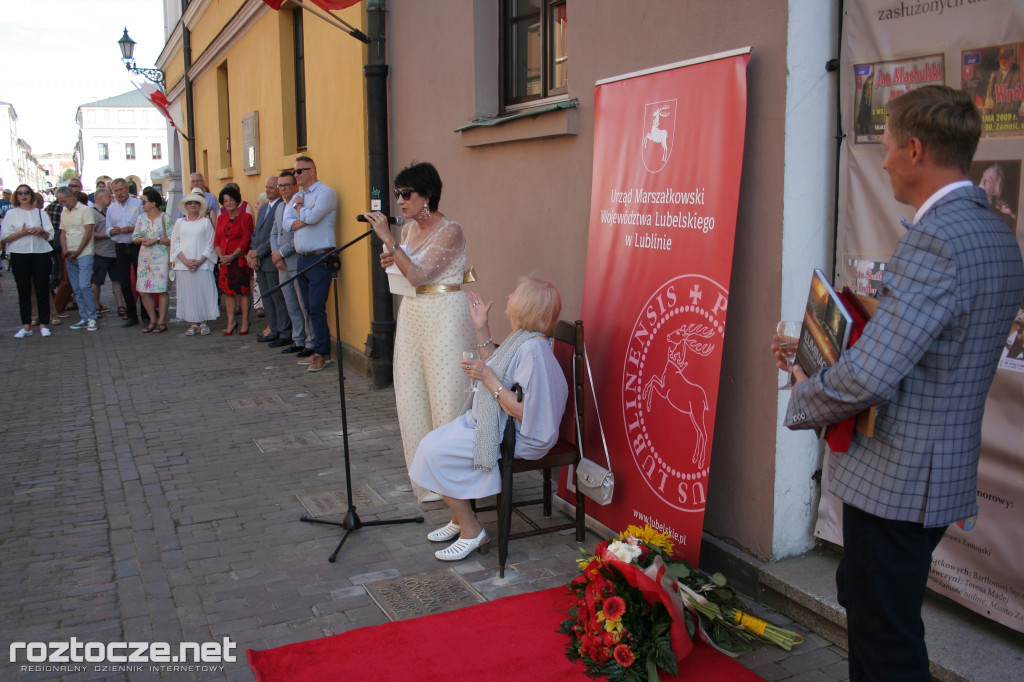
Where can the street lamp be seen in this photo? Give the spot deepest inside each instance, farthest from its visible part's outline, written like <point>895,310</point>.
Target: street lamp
<point>127,46</point>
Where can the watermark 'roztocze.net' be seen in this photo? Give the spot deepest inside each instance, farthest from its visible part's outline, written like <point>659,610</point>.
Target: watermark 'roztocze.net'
<point>75,651</point>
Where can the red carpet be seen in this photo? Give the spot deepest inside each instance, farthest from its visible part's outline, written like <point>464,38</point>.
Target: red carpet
<point>512,638</point>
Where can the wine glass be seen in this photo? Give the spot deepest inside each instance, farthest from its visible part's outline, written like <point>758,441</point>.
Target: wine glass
<point>787,336</point>
<point>470,355</point>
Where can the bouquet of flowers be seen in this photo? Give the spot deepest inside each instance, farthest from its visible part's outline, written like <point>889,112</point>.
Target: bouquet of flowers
<point>635,608</point>
<point>619,625</point>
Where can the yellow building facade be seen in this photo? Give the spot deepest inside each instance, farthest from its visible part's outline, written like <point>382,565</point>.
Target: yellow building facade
<point>267,87</point>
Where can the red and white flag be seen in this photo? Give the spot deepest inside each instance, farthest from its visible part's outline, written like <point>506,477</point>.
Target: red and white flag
<point>159,100</point>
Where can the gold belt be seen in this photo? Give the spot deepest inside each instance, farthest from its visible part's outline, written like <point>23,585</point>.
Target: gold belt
<point>437,288</point>
<point>467,276</point>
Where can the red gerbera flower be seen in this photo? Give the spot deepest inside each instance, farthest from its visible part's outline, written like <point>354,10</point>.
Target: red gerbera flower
<point>623,656</point>
<point>614,607</point>
<point>590,643</point>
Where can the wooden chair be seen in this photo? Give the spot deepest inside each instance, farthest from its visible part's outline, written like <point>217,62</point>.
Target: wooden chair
<point>568,349</point>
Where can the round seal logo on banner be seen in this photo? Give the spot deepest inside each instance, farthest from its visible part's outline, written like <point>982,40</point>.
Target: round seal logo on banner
<point>671,366</point>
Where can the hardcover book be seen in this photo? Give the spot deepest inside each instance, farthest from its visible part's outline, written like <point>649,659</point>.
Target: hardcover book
<point>826,328</point>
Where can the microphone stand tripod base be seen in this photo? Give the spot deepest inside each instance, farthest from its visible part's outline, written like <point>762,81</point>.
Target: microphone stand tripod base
<point>352,523</point>
<point>332,262</point>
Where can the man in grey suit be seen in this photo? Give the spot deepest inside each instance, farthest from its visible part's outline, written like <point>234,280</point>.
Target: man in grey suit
<point>260,261</point>
<point>282,243</point>
<point>926,359</point>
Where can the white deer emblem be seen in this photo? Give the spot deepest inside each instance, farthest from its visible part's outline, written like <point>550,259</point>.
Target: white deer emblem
<point>681,393</point>
<point>658,135</point>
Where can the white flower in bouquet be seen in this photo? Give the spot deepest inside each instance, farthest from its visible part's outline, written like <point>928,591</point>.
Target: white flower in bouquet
<point>624,551</point>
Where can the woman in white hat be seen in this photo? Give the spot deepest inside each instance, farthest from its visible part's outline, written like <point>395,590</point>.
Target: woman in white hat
<point>193,257</point>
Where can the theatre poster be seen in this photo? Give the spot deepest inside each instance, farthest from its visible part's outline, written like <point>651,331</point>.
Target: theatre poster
<point>656,297</point>
<point>889,48</point>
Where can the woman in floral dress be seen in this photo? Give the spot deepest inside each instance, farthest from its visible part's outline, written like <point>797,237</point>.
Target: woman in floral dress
<point>153,234</point>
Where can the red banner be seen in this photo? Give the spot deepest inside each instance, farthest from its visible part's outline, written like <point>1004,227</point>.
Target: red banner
<point>668,151</point>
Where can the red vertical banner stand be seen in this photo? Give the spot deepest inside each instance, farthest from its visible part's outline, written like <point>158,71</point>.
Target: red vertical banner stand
<point>668,152</point>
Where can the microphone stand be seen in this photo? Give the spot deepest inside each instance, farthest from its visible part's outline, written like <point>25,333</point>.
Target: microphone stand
<point>352,522</point>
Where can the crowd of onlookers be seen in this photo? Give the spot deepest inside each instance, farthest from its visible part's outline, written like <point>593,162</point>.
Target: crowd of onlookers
<point>216,251</point>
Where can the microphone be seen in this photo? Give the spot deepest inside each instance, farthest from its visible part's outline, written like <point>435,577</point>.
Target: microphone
<point>394,220</point>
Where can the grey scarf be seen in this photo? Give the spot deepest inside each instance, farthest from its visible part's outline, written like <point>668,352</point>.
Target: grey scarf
<point>489,422</point>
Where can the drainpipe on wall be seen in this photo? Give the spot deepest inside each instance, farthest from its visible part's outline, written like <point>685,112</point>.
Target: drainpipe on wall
<point>190,119</point>
<point>381,342</point>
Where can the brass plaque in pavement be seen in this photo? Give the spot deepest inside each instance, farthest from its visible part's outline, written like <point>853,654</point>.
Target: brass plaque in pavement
<point>306,439</point>
<point>418,595</point>
<point>332,502</point>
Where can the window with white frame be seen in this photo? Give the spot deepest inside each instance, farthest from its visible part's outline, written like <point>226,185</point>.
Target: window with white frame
<point>104,151</point>
<point>157,151</point>
<point>129,151</point>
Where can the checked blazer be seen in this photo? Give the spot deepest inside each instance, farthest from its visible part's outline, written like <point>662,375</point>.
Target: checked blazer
<point>927,359</point>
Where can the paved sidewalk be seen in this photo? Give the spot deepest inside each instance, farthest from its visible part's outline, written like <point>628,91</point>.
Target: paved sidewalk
<point>149,489</point>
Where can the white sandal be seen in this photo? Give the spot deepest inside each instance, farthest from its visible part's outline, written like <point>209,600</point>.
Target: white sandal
<point>444,533</point>
<point>462,548</point>
<point>193,330</point>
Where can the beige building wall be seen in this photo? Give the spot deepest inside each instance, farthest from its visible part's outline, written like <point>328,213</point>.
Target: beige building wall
<point>524,202</point>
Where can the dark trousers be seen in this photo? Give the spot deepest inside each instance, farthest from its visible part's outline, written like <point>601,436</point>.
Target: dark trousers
<point>32,269</point>
<point>881,581</point>
<point>314,287</point>
<point>127,261</point>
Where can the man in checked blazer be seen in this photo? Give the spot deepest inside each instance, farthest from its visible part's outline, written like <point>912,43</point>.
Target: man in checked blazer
<point>926,359</point>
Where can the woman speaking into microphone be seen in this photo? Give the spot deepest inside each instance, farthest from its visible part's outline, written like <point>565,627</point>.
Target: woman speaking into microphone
<point>434,327</point>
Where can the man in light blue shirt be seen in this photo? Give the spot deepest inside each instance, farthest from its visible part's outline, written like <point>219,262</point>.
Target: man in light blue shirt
<point>316,210</point>
<point>121,216</point>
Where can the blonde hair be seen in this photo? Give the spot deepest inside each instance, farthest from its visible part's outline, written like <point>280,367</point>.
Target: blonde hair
<point>944,119</point>
<point>535,305</point>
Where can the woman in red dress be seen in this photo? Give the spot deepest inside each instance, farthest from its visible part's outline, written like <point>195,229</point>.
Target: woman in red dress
<point>234,234</point>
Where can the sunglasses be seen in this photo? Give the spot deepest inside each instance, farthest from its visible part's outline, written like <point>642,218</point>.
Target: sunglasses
<point>302,170</point>
<point>25,193</point>
<point>286,184</point>
<point>404,193</point>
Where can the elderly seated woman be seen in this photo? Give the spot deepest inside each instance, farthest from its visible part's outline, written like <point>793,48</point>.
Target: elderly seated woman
<point>459,460</point>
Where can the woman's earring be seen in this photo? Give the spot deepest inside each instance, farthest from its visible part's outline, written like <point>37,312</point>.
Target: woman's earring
<point>425,212</point>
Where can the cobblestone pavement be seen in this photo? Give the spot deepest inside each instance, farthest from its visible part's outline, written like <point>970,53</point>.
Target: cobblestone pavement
<point>149,487</point>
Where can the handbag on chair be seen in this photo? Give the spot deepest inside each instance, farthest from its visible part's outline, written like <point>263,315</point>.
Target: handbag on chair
<point>594,481</point>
